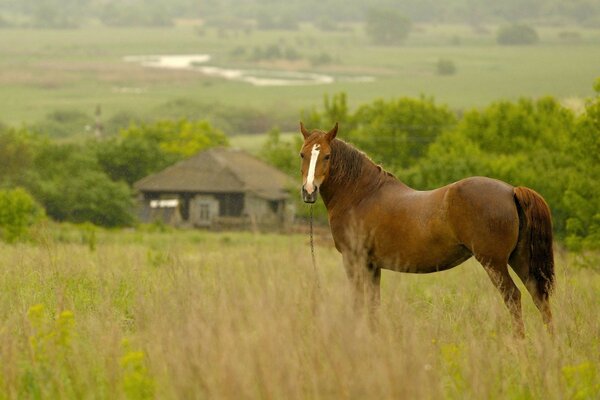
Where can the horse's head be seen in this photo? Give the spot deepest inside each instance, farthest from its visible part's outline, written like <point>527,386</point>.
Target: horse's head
<point>316,155</point>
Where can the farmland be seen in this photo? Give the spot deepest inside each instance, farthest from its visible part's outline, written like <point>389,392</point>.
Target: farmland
<point>42,71</point>
<point>188,314</point>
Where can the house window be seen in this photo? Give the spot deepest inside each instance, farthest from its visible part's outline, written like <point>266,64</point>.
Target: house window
<point>231,204</point>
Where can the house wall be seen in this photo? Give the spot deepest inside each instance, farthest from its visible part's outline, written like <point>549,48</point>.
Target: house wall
<point>204,210</point>
<point>200,206</point>
<point>261,211</point>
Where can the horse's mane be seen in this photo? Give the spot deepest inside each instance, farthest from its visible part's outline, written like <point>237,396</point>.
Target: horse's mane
<point>348,164</point>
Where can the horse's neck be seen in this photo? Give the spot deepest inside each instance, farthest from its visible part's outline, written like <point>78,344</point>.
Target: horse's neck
<point>342,192</point>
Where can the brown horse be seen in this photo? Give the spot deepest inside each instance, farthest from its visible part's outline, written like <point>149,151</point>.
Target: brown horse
<point>379,222</point>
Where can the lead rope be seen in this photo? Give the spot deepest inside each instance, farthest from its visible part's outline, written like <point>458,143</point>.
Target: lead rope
<point>312,250</point>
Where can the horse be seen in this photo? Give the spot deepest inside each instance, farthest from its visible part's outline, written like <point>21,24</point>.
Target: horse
<point>377,222</point>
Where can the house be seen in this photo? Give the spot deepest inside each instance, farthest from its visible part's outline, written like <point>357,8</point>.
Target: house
<point>217,188</point>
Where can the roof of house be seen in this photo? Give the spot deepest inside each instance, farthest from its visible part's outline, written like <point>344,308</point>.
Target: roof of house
<point>219,170</point>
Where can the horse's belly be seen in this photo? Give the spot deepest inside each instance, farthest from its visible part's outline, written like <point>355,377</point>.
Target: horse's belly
<point>421,262</point>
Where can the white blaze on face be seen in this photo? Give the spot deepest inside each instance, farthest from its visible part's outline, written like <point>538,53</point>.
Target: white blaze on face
<point>310,178</point>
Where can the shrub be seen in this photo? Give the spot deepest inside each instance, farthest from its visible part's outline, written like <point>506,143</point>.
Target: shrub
<point>445,67</point>
<point>517,34</point>
<point>387,27</point>
<point>18,211</point>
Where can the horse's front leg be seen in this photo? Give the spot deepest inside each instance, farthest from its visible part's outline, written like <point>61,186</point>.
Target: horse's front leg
<point>365,281</point>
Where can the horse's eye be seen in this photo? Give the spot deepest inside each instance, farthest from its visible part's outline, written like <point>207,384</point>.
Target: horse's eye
<point>327,157</point>
<point>301,155</point>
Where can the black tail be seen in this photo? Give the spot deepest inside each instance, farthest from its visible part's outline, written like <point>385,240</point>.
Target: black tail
<point>538,237</point>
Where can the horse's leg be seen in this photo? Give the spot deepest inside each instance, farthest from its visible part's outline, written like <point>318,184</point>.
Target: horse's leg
<point>374,292</point>
<point>365,280</point>
<point>498,273</point>
<point>355,274</point>
<point>519,262</point>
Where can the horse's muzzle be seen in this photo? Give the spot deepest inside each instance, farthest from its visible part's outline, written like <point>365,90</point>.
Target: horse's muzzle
<point>309,197</point>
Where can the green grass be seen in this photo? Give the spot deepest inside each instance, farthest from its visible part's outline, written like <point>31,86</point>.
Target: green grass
<point>41,70</point>
<point>189,314</point>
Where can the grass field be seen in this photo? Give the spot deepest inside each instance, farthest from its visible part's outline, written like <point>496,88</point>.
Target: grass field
<point>190,314</point>
<point>42,71</point>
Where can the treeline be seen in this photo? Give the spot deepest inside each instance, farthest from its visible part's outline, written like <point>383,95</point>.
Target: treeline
<point>286,15</point>
<point>88,181</point>
<point>534,143</point>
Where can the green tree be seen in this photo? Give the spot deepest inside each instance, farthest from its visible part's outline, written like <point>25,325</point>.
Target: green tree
<point>18,211</point>
<point>397,132</point>
<point>69,183</point>
<point>582,197</point>
<point>517,34</point>
<point>142,149</point>
<point>335,109</point>
<point>387,26</point>
<point>17,151</point>
<point>282,154</point>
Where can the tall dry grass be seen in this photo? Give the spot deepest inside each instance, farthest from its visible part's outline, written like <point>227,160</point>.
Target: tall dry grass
<point>198,315</point>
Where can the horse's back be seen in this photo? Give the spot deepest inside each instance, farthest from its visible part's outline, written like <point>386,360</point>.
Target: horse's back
<point>483,216</point>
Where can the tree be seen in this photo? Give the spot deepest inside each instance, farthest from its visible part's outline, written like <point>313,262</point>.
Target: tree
<point>142,149</point>
<point>582,196</point>
<point>18,211</point>
<point>387,27</point>
<point>69,183</point>
<point>281,154</point>
<point>17,151</point>
<point>396,133</point>
<point>517,34</point>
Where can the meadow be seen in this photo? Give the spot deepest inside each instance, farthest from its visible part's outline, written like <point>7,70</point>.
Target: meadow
<point>47,70</point>
<point>154,313</point>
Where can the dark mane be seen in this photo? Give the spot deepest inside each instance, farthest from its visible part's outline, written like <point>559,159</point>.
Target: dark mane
<point>349,163</point>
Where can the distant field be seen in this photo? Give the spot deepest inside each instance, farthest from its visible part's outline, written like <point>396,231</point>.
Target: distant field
<point>191,314</point>
<point>42,71</point>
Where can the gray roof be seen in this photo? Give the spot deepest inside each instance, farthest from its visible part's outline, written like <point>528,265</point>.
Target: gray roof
<point>219,170</point>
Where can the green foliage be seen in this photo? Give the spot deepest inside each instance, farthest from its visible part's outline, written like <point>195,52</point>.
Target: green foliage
<point>582,380</point>
<point>135,13</point>
<point>17,151</point>
<point>283,155</point>
<point>142,149</point>
<point>18,212</point>
<point>445,67</point>
<point>55,14</point>
<point>517,34</point>
<point>137,381</point>
<point>387,26</point>
<point>397,132</point>
<point>334,110</point>
<point>64,123</point>
<point>68,181</point>
<point>47,373</point>
<point>582,196</point>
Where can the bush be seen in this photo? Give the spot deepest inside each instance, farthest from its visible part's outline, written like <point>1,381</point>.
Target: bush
<point>18,211</point>
<point>445,67</point>
<point>64,123</point>
<point>517,34</point>
<point>387,27</point>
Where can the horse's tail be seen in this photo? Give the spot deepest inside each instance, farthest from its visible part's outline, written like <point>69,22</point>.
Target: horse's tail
<point>534,213</point>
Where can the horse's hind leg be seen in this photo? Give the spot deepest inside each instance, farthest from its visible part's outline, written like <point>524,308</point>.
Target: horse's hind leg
<point>519,262</point>
<point>498,273</point>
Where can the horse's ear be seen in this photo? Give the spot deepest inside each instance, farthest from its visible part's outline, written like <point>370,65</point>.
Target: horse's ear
<point>305,133</point>
<point>331,134</point>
